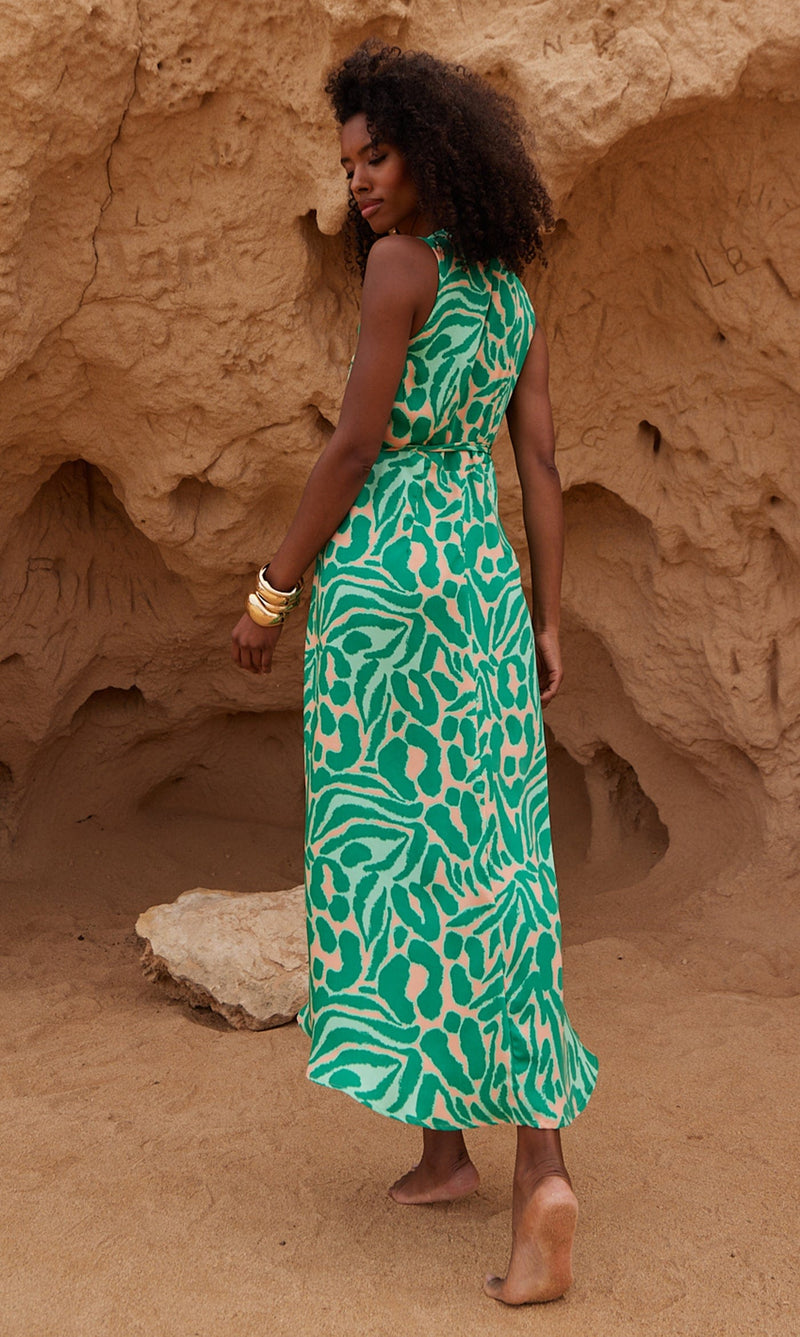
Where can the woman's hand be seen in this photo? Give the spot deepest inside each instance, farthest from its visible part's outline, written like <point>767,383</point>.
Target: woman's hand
<point>254,646</point>
<point>548,663</point>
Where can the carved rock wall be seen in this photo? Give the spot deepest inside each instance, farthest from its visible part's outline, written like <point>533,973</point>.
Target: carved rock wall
<point>177,322</point>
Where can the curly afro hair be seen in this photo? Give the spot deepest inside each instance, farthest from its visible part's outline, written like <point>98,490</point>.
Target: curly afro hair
<point>464,145</point>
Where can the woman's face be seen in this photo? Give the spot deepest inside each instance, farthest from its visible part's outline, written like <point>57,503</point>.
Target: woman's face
<point>381,182</point>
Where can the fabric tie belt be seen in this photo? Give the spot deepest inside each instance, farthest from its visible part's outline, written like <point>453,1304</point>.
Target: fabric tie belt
<point>424,448</point>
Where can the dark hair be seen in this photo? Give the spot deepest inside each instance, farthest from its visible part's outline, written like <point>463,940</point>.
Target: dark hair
<point>464,145</point>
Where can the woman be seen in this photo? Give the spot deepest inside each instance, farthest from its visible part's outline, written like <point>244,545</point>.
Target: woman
<point>434,936</point>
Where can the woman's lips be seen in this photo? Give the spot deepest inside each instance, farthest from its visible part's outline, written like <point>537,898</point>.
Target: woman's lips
<point>367,210</point>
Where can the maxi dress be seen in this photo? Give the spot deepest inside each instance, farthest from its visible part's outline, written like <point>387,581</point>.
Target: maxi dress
<point>435,992</point>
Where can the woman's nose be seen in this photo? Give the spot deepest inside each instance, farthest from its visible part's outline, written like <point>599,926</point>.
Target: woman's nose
<point>359,181</point>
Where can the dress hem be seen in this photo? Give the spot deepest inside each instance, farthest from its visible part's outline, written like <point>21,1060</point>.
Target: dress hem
<point>441,1125</point>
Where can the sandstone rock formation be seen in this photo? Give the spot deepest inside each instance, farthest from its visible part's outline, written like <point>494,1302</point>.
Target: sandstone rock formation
<point>177,321</point>
<point>242,955</point>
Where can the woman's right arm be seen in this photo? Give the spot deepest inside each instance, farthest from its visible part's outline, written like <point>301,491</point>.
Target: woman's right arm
<point>530,423</point>
<point>396,286</point>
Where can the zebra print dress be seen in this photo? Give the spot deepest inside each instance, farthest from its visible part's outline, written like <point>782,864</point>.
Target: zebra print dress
<point>435,990</point>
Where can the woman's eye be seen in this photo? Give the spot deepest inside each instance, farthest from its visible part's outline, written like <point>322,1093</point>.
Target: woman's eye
<point>371,162</point>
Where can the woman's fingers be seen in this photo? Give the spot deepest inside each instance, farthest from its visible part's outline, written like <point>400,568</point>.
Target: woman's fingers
<point>245,655</point>
<point>267,653</point>
<point>553,683</point>
<point>548,659</point>
<point>252,647</point>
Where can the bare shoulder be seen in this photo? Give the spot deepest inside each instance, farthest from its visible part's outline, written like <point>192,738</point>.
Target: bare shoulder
<point>535,369</point>
<point>399,257</point>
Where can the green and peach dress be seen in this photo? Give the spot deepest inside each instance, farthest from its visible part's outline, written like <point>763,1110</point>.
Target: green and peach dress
<point>434,938</point>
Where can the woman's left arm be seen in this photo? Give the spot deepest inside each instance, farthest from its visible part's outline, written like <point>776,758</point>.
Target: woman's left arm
<point>391,296</point>
<point>530,423</point>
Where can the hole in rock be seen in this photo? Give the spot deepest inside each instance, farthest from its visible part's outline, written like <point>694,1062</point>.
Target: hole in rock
<point>627,833</point>
<point>245,767</point>
<point>323,424</point>
<point>114,606</point>
<point>775,501</point>
<point>187,494</point>
<point>719,337</point>
<point>225,798</point>
<point>191,494</point>
<point>109,705</point>
<point>650,435</point>
<point>74,493</point>
<point>599,521</point>
<point>77,528</point>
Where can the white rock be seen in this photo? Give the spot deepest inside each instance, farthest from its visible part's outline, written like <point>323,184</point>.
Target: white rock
<point>242,954</point>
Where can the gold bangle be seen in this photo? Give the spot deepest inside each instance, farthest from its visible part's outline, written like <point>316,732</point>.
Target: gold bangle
<point>260,614</point>
<point>271,605</point>
<point>283,597</point>
<point>269,600</point>
<point>284,594</point>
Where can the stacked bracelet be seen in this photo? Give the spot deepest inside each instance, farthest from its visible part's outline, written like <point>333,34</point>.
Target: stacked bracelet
<point>268,606</point>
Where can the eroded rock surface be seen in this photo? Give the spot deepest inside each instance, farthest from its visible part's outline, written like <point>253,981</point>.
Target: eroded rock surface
<point>242,954</point>
<point>177,322</point>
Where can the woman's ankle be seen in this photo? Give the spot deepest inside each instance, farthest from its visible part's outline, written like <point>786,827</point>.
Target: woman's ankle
<point>529,1177</point>
<point>445,1151</point>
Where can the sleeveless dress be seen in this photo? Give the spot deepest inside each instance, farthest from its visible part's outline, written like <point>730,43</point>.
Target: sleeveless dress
<point>434,936</point>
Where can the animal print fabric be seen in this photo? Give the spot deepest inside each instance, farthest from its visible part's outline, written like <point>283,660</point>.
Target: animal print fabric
<point>435,991</point>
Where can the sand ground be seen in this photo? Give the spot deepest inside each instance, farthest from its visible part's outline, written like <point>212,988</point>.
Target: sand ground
<point>165,1174</point>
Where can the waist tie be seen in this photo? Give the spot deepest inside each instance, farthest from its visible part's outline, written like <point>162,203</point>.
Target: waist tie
<point>424,448</point>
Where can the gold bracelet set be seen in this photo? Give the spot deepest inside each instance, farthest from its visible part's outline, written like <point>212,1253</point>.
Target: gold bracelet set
<point>268,606</point>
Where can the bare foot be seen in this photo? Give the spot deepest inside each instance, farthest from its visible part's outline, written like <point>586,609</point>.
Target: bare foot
<point>541,1250</point>
<point>440,1183</point>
